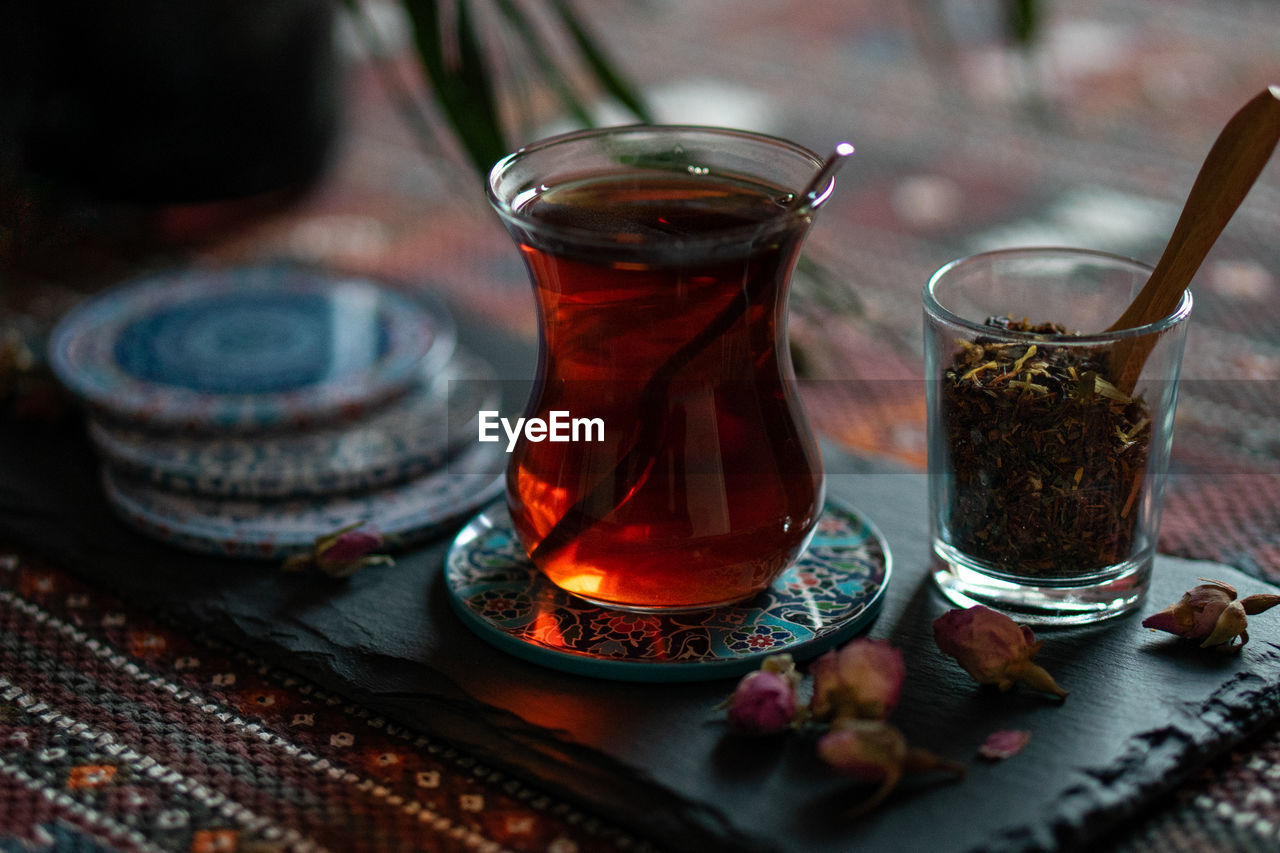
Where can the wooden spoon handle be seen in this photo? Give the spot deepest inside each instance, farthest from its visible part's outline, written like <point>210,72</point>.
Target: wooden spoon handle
<point>1229,171</point>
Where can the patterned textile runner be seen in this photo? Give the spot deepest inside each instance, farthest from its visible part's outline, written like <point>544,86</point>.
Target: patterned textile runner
<point>118,732</point>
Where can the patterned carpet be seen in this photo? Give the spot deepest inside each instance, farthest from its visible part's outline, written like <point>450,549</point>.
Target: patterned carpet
<point>118,732</point>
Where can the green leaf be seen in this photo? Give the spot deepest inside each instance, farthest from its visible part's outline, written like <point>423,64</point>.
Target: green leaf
<point>464,84</point>
<point>461,80</point>
<point>1023,20</point>
<point>542,59</point>
<point>600,65</point>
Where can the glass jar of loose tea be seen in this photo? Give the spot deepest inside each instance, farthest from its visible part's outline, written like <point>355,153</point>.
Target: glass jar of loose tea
<point>1046,467</point>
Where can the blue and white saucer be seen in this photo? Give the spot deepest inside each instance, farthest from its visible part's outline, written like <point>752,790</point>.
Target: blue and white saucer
<point>833,591</point>
<point>404,514</point>
<point>246,348</point>
<point>405,438</point>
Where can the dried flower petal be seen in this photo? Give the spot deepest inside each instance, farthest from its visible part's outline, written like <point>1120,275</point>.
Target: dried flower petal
<point>874,751</point>
<point>1211,613</point>
<point>867,750</point>
<point>1171,620</point>
<point>1004,744</point>
<point>993,649</point>
<point>862,680</point>
<point>1205,604</point>
<point>341,553</point>
<point>1231,623</point>
<point>1255,604</point>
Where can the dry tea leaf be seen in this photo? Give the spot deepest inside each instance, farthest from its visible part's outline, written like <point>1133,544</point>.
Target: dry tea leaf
<point>1048,456</point>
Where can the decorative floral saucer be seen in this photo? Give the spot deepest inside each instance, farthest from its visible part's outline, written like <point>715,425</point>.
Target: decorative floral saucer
<point>404,514</point>
<point>832,592</point>
<point>408,437</point>
<point>246,348</point>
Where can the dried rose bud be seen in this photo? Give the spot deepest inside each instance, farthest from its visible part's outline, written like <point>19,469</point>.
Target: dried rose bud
<point>862,680</point>
<point>993,649</point>
<point>1196,613</point>
<point>875,751</point>
<point>764,702</point>
<point>1004,744</point>
<point>1212,613</point>
<point>341,553</point>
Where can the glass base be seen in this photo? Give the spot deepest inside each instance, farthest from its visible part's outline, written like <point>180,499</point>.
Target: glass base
<point>1076,601</point>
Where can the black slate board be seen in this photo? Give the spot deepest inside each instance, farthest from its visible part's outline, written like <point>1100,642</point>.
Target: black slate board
<point>1144,712</point>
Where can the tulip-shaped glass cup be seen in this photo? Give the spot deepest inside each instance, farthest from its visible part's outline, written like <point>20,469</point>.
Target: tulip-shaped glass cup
<point>660,258</point>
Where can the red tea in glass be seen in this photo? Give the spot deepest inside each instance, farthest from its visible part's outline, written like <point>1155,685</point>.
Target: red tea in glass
<point>660,260</point>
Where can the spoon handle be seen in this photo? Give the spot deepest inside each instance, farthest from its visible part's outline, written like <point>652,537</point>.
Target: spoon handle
<point>1229,171</point>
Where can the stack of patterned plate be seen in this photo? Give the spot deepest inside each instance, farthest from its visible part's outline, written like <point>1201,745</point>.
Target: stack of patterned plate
<point>248,411</point>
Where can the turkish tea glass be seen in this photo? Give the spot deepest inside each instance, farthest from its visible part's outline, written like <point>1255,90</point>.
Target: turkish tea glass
<point>660,258</point>
<point>1046,469</point>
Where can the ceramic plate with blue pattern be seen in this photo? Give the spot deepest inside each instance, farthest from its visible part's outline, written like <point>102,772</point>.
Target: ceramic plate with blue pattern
<point>405,438</point>
<point>834,591</point>
<point>246,348</point>
<point>404,514</point>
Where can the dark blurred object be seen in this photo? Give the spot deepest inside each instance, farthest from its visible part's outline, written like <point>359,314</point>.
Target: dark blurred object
<point>156,102</point>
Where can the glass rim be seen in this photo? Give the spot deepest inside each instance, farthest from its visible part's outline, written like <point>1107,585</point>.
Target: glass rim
<point>797,216</point>
<point>934,308</point>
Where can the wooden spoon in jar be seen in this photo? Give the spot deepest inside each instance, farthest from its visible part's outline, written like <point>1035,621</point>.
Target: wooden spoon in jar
<point>1229,171</point>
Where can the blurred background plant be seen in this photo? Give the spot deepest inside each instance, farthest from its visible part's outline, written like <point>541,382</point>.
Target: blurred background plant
<point>986,48</point>
<point>489,64</point>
